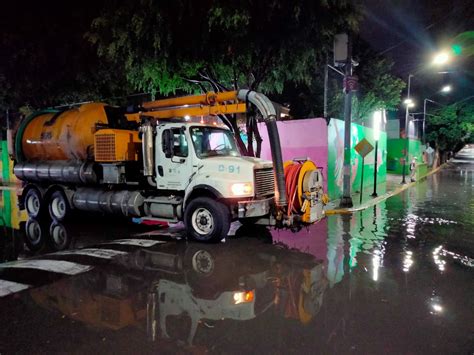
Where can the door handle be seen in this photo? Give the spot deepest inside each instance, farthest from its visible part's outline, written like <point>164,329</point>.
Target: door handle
<point>179,161</point>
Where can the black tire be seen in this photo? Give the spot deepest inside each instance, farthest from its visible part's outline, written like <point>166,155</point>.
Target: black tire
<point>206,269</point>
<point>58,206</point>
<point>201,263</point>
<point>59,238</point>
<point>33,203</point>
<point>207,220</point>
<point>35,235</point>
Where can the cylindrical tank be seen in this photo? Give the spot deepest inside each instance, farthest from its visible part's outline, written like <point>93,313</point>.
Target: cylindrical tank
<point>60,135</point>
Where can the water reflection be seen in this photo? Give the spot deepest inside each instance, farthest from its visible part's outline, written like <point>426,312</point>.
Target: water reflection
<point>181,292</point>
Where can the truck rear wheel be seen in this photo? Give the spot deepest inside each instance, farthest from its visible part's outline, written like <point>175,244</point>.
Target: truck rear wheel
<point>59,237</point>
<point>207,220</point>
<point>58,206</point>
<point>33,203</point>
<point>34,235</point>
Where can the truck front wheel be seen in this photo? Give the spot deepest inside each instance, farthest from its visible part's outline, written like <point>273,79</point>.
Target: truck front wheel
<point>207,220</point>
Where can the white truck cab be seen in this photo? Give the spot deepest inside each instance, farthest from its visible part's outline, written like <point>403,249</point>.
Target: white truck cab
<point>201,163</point>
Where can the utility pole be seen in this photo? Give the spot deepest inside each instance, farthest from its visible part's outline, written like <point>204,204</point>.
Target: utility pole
<point>326,79</point>
<point>346,200</point>
<point>424,120</point>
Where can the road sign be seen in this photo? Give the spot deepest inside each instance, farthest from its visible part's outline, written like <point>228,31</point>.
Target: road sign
<point>364,147</point>
<point>350,83</point>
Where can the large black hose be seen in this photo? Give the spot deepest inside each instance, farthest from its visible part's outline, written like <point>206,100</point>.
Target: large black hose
<point>265,106</point>
<point>277,158</point>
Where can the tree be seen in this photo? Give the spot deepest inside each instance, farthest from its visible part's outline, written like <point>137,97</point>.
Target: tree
<point>452,126</point>
<point>255,44</point>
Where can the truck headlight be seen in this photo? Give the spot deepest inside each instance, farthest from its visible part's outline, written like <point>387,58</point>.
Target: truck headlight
<point>242,188</point>
<point>244,297</point>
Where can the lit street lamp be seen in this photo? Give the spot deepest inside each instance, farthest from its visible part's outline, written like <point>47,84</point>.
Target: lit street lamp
<point>409,102</point>
<point>446,88</point>
<point>376,127</point>
<point>441,58</point>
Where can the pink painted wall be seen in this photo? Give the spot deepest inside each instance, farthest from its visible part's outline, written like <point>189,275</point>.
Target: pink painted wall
<point>300,138</point>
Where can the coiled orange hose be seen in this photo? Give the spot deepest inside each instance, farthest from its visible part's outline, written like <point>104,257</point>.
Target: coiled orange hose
<point>291,182</point>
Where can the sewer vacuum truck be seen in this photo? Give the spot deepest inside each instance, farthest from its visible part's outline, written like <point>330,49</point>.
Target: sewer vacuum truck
<point>160,163</point>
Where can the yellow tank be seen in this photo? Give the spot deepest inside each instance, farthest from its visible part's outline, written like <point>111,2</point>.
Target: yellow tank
<point>55,135</point>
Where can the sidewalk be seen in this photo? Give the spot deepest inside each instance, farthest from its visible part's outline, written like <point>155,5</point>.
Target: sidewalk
<point>391,187</point>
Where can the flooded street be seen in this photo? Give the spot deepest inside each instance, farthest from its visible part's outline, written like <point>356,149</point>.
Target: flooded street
<point>395,278</point>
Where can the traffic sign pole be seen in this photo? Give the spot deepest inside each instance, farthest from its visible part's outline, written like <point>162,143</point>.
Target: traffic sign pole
<point>363,148</point>
<point>362,180</point>
<point>374,194</point>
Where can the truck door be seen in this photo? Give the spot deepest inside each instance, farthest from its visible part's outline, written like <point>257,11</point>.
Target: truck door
<point>174,164</point>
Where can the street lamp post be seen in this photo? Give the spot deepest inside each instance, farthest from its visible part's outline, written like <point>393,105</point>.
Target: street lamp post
<point>407,107</point>
<point>424,121</point>
<point>377,121</point>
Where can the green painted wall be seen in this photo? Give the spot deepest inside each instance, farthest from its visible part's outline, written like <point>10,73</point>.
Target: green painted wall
<point>336,158</point>
<point>5,196</point>
<point>396,148</point>
<point>10,215</point>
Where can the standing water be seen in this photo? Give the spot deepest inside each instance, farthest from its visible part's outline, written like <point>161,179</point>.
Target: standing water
<point>395,278</point>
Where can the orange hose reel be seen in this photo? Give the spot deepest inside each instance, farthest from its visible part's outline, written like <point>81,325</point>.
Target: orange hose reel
<point>294,175</point>
<point>298,199</point>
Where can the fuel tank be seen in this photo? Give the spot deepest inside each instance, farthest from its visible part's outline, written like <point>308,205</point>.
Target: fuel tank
<point>60,135</point>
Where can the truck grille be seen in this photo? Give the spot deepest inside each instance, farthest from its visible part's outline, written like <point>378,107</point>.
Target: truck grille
<point>264,182</point>
<point>104,147</point>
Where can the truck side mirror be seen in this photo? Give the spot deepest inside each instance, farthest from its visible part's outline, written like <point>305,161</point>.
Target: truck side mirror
<point>167,143</point>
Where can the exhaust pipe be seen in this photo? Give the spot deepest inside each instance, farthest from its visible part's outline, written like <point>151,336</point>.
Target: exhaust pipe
<point>147,148</point>
<point>267,109</point>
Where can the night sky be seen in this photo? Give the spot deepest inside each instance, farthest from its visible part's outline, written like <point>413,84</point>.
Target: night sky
<point>410,32</point>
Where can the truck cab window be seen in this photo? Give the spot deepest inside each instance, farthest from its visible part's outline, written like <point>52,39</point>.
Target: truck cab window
<point>210,141</point>
<point>180,144</point>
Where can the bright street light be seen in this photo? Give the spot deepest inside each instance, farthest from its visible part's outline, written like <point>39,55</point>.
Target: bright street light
<point>409,103</point>
<point>441,58</point>
<point>446,88</point>
<point>377,123</point>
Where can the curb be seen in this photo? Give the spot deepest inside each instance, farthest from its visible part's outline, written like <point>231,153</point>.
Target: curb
<point>382,197</point>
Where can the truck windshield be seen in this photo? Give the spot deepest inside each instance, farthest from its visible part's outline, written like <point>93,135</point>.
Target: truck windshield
<point>213,141</point>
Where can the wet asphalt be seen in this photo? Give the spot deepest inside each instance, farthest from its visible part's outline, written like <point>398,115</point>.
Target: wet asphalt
<point>395,278</point>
